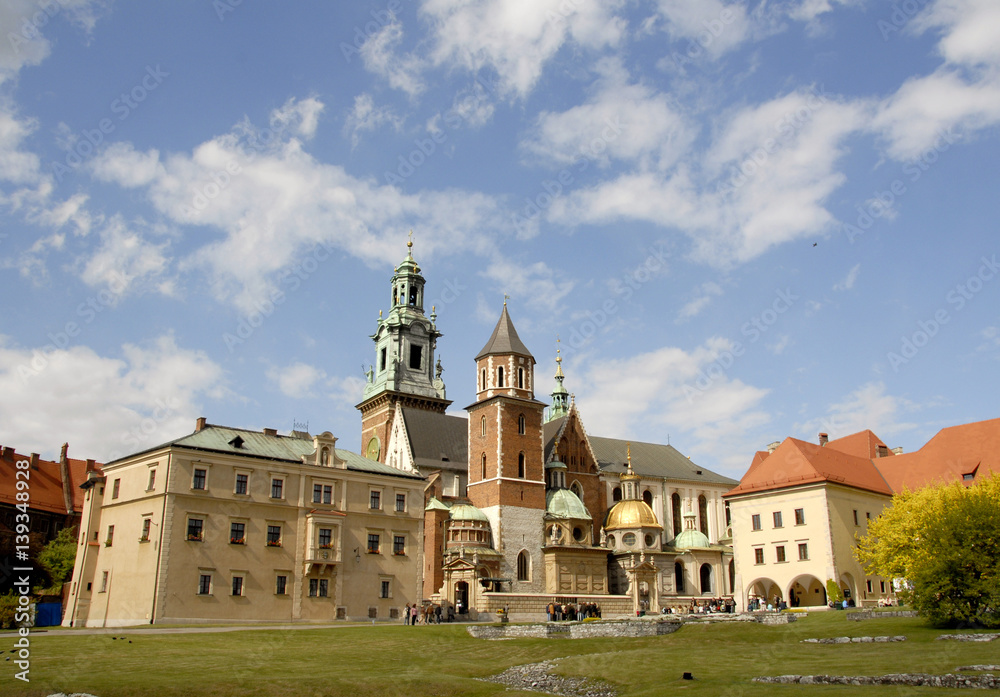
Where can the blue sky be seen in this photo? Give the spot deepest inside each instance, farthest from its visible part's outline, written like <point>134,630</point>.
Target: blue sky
<point>743,220</point>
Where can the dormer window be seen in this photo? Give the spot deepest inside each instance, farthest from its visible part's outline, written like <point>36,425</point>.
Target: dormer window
<point>237,442</point>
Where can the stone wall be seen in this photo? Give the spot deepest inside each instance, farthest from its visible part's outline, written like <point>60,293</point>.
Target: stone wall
<point>530,607</point>
<point>575,630</point>
<point>986,682</point>
<point>879,614</point>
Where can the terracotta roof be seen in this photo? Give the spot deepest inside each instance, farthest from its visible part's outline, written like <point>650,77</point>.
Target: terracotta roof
<point>504,339</point>
<point>46,484</point>
<point>860,444</point>
<point>796,462</point>
<point>954,452</point>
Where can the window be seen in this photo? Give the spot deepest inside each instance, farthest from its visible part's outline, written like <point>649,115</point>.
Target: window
<point>152,480</point>
<point>325,538</point>
<point>779,553</point>
<point>484,425</point>
<point>755,521</point>
<point>381,360</point>
<point>881,586</point>
<point>628,539</point>
<point>703,515</point>
<point>111,536</point>
<point>205,584</point>
<point>868,515</point>
<point>520,465</point>
<point>322,493</point>
<point>869,585</point>
<point>280,583</point>
<point>146,523</point>
<point>800,516</point>
<point>237,585</point>
<point>375,499</point>
<point>277,488</point>
<point>273,535</point>
<point>237,534</point>
<point>198,480</point>
<point>115,487</point>
<point>242,484</point>
<point>319,588</point>
<point>523,566</point>
<point>373,543</point>
<point>855,517</point>
<point>484,466</point>
<point>384,590</point>
<point>520,378</point>
<point>399,544</point>
<point>803,551</point>
<point>400,503</point>
<point>415,352</point>
<point>483,381</point>
<point>104,582</point>
<point>500,377</point>
<point>777,519</point>
<point>195,528</point>
<point>758,555</point>
<point>520,425</point>
<point>317,493</point>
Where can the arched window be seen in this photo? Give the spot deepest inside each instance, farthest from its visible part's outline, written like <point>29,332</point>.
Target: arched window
<point>647,496</point>
<point>520,465</point>
<point>703,514</point>
<point>523,566</point>
<point>484,425</point>
<point>577,489</point>
<point>484,466</point>
<point>706,578</point>
<point>520,378</point>
<point>616,494</point>
<point>520,425</point>
<point>679,577</point>
<point>675,509</point>
<point>500,376</point>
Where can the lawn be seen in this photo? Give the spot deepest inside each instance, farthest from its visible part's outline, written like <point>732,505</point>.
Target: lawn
<point>443,660</point>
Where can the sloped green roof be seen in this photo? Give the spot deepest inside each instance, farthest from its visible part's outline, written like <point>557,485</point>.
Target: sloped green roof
<point>435,505</point>
<point>691,539</point>
<point>463,511</point>
<point>564,504</point>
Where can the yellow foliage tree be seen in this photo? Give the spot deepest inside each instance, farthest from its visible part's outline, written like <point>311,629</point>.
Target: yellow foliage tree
<point>945,542</point>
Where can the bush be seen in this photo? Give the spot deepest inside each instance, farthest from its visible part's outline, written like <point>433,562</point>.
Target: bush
<point>8,608</point>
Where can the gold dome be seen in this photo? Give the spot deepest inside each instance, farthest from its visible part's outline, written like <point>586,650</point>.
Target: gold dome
<point>631,513</point>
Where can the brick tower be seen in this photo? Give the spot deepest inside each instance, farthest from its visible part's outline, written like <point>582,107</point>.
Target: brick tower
<point>404,372</point>
<point>506,470</point>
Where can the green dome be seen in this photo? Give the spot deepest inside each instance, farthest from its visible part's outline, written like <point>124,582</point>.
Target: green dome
<point>463,511</point>
<point>691,539</point>
<point>555,465</point>
<point>563,503</point>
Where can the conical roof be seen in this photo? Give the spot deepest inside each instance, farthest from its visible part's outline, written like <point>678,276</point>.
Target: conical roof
<point>504,339</point>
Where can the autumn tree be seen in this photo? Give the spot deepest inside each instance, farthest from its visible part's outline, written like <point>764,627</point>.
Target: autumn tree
<point>944,541</point>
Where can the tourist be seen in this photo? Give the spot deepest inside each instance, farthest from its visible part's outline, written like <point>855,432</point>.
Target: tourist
<point>406,614</point>
<point>437,614</point>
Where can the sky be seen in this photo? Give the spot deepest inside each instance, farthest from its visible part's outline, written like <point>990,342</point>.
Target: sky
<point>737,221</point>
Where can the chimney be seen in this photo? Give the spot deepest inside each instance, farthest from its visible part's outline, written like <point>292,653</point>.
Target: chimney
<point>882,451</point>
<point>824,438</point>
<point>8,453</point>
<point>91,465</point>
<point>67,484</point>
<point>34,461</point>
<point>270,431</point>
<point>897,451</point>
<point>771,447</point>
<point>199,424</point>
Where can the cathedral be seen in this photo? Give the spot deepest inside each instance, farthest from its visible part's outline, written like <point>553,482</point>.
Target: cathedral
<point>523,507</point>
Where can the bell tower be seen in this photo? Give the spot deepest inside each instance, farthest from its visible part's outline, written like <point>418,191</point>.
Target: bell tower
<point>506,469</point>
<point>404,371</point>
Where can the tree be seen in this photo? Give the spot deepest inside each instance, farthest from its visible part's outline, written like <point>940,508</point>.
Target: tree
<point>945,542</point>
<point>58,557</point>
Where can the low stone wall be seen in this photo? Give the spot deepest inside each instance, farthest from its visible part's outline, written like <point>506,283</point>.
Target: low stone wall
<point>859,615</point>
<point>530,607</point>
<point>773,618</point>
<point>855,640</point>
<point>981,682</point>
<point>575,630</point>
<point>969,637</point>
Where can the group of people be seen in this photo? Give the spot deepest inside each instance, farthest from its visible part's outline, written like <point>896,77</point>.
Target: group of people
<point>567,612</point>
<point>702,606</point>
<point>430,613</point>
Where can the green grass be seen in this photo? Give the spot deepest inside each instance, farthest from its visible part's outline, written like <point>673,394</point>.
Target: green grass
<point>443,660</point>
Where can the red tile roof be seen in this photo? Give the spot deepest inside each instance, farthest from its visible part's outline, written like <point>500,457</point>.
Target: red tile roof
<point>45,482</point>
<point>951,454</point>
<point>860,444</point>
<point>796,462</point>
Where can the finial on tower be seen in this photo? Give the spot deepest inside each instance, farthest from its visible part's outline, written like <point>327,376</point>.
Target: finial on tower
<point>409,243</point>
<point>505,299</point>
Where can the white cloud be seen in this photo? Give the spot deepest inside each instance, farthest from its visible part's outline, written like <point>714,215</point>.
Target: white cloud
<point>779,346</point>
<point>380,56</point>
<point>516,38</point>
<point>703,298</point>
<point>345,392</point>
<point>716,26</point>
<point>849,280</point>
<point>125,259</point>
<point>148,395</point>
<point>536,285</point>
<point>297,380</point>
<point>365,116</point>
<point>629,122</point>
<point>122,164</point>
<point>867,407</point>
<point>277,206</point>
<point>299,116</point>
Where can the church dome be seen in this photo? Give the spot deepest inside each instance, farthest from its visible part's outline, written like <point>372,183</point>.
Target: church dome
<point>463,511</point>
<point>631,513</point>
<point>563,503</point>
<point>691,539</point>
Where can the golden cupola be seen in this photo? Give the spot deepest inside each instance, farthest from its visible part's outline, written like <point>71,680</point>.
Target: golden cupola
<point>631,512</point>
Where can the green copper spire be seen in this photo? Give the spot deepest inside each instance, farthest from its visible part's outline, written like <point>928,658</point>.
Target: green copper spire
<point>560,397</point>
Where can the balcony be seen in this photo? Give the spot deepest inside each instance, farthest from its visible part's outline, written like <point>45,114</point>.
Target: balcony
<point>321,558</point>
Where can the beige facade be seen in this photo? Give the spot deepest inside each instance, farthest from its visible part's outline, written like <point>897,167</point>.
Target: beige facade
<point>227,524</point>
